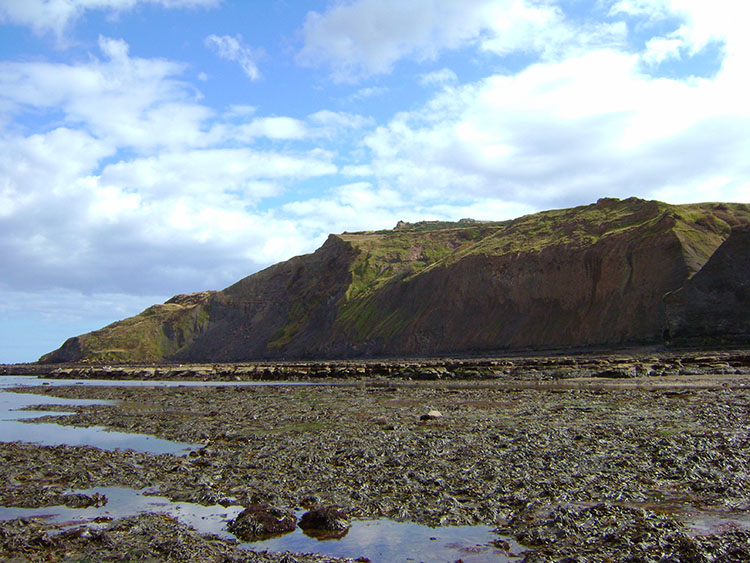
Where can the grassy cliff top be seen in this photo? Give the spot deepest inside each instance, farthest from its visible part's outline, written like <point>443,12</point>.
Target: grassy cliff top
<point>412,248</point>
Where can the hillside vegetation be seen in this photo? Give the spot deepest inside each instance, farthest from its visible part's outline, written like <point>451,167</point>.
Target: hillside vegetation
<point>586,276</point>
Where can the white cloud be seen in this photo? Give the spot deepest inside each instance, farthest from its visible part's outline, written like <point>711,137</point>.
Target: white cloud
<point>438,78</point>
<point>128,102</point>
<point>368,37</point>
<point>232,49</point>
<point>56,15</point>
<point>213,175</point>
<point>356,170</point>
<point>700,24</point>
<point>76,214</point>
<point>559,133</point>
<point>160,224</point>
<point>369,92</point>
<point>273,128</point>
<point>660,49</point>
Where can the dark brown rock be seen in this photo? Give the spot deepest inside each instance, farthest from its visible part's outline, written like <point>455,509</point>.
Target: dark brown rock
<point>325,522</point>
<point>260,521</point>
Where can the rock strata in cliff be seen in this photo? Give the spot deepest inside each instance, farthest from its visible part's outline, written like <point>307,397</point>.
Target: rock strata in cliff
<point>593,275</point>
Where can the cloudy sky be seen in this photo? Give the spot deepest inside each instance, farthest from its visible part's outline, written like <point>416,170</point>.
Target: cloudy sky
<point>155,147</point>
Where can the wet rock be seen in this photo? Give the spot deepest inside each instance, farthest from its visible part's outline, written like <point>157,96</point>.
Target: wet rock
<point>325,522</point>
<point>260,521</point>
<point>546,433</point>
<point>80,500</point>
<point>617,372</point>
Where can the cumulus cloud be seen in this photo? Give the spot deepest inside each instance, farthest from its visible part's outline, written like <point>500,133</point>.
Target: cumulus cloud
<point>273,128</point>
<point>558,133</point>
<point>128,102</point>
<point>213,174</point>
<point>699,25</point>
<point>368,37</point>
<point>232,49</point>
<point>660,49</point>
<point>177,215</point>
<point>77,215</point>
<point>56,16</point>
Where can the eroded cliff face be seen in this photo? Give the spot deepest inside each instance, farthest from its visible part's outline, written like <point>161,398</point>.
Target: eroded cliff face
<point>592,275</point>
<point>286,310</point>
<point>713,307</point>
<point>610,293</point>
<point>578,289</point>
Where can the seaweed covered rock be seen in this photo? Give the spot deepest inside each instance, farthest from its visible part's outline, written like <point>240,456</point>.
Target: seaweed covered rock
<point>325,522</point>
<point>260,521</point>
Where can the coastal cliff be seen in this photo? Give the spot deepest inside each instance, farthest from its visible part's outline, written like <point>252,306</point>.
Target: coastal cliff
<point>593,275</point>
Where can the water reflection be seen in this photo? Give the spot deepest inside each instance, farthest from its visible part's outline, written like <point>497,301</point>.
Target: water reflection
<point>123,502</point>
<point>387,540</point>
<point>378,540</point>
<point>48,434</point>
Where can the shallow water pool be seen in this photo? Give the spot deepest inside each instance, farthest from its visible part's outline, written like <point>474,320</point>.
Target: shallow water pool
<point>378,540</point>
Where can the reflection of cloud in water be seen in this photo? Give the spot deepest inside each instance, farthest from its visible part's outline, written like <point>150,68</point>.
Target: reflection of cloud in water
<point>49,434</point>
<point>386,540</point>
<point>123,502</point>
<point>378,540</point>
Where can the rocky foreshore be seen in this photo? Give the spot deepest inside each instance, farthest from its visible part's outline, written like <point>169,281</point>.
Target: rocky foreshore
<point>638,363</point>
<point>615,464</point>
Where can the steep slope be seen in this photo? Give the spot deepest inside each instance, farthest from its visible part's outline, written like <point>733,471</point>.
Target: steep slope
<point>155,334</point>
<point>591,275</point>
<point>714,305</point>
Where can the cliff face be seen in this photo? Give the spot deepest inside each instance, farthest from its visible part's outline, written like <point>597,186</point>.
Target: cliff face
<point>288,309</point>
<point>713,307</point>
<point>592,275</point>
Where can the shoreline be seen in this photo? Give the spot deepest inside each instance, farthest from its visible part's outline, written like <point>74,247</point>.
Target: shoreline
<point>568,466</point>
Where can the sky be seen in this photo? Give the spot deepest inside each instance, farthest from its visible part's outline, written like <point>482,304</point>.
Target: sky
<point>156,147</point>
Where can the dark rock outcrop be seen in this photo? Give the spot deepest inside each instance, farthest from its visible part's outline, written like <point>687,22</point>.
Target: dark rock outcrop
<point>713,307</point>
<point>259,521</point>
<point>325,522</point>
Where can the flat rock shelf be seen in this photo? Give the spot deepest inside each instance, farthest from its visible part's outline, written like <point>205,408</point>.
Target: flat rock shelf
<point>592,468</point>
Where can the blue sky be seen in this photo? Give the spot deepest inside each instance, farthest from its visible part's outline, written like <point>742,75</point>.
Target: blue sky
<point>156,147</point>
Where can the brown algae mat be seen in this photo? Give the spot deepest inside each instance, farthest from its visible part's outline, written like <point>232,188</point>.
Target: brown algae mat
<point>641,469</point>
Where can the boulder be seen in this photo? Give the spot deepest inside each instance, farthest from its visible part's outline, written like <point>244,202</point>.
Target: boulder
<point>259,521</point>
<point>325,522</point>
<point>431,415</point>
